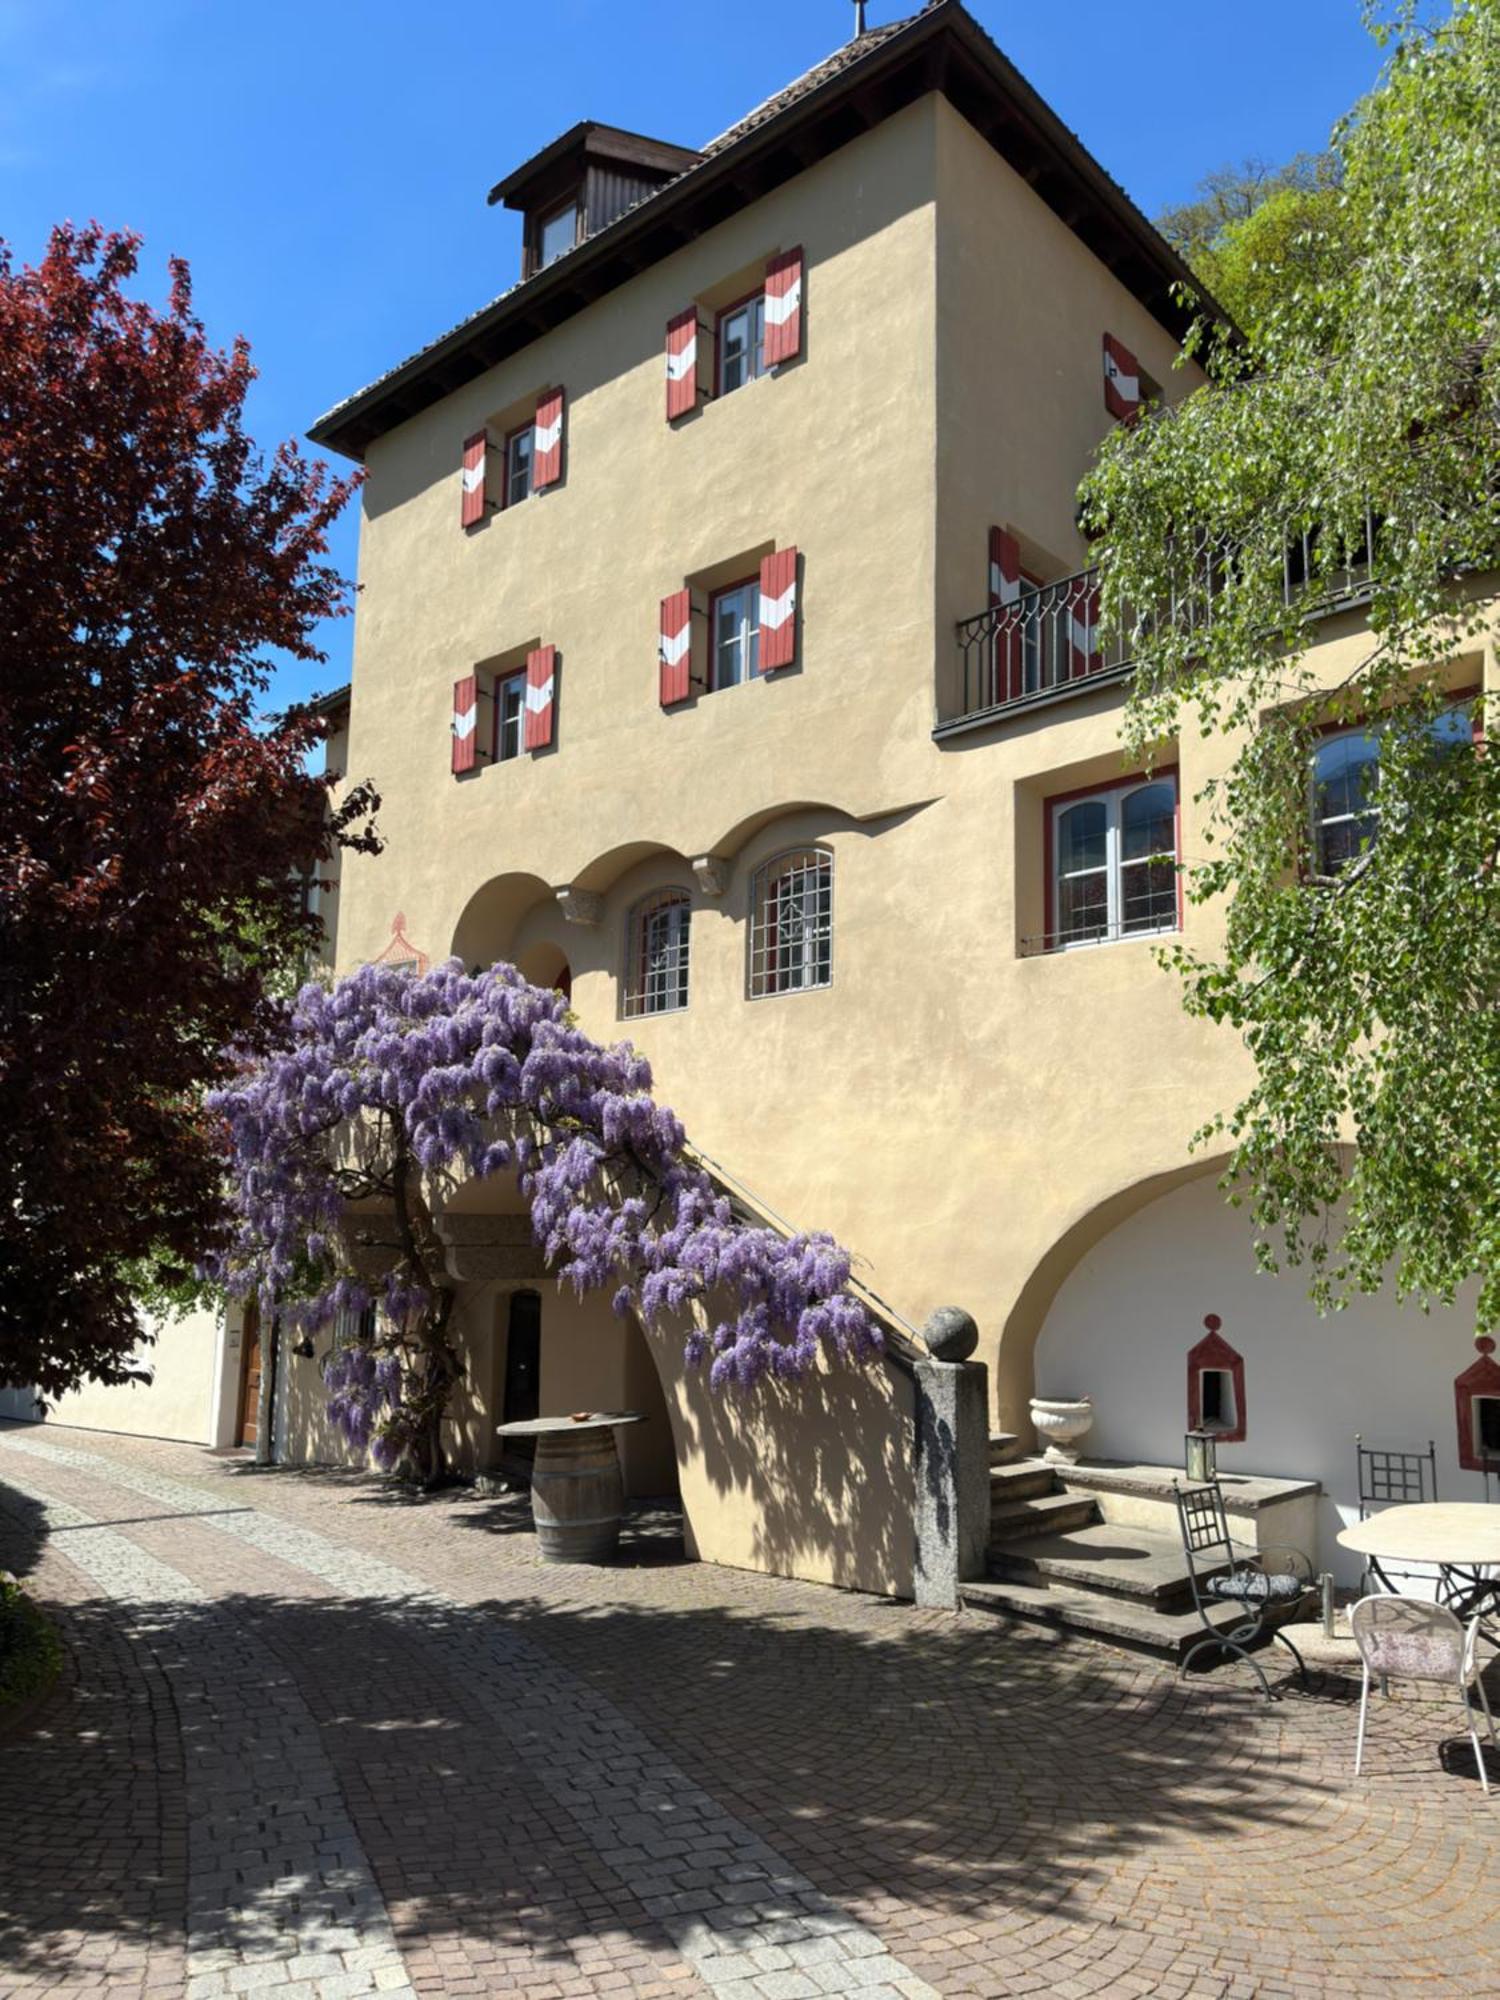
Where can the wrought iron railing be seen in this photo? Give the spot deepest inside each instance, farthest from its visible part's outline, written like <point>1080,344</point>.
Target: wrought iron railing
<point>1048,640</point>
<point>1045,639</point>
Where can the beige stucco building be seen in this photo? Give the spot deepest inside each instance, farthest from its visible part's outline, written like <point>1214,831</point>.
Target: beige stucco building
<point>667,669</point>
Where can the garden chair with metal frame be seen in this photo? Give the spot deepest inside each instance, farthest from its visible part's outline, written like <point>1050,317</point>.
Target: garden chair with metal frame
<point>1409,1639</point>
<point>1392,1476</point>
<point>1220,1572</point>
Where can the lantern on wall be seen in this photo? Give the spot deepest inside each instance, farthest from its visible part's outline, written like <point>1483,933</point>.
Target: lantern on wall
<point>1200,1456</point>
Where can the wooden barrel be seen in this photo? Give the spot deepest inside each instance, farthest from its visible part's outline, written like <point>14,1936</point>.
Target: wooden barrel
<point>577,1496</point>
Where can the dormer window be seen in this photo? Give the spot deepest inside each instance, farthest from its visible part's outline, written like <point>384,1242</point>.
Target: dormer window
<point>556,233</point>
<point>582,183</point>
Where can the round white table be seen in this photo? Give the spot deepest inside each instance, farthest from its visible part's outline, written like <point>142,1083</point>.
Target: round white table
<point>1461,1537</point>
<point>1456,1534</point>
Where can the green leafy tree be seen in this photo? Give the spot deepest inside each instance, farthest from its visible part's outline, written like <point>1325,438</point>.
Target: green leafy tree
<point>1230,195</point>
<point>156,828</point>
<point>1347,450</point>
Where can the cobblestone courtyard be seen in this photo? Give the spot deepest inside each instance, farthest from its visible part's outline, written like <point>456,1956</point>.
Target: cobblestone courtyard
<point>315,1740</point>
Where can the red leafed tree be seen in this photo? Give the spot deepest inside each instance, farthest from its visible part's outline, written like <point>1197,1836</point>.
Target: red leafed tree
<point>156,832</point>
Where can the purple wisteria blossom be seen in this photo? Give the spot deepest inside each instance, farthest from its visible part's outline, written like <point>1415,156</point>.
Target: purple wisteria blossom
<point>390,1089</point>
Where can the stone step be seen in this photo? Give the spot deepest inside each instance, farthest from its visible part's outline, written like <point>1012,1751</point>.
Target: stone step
<point>1117,1561</point>
<point>1020,1481</point>
<point>1124,1621</point>
<point>1003,1445</point>
<point>1042,1514</point>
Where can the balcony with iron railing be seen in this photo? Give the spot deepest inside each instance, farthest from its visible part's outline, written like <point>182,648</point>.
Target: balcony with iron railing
<point>1048,644</point>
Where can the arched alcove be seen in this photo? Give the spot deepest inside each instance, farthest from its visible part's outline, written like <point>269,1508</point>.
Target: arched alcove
<point>486,931</point>
<point>546,964</point>
<point>1131,1308</point>
<point>1015,1378</point>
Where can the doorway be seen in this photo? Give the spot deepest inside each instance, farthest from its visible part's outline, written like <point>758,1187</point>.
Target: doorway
<point>249,1404</point>
<point>523,1378</point>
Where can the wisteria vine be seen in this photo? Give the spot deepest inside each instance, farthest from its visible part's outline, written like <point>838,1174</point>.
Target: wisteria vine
<point>388,1088</point>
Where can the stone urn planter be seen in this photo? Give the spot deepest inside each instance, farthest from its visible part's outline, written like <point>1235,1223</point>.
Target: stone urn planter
<point>1062,1423</point>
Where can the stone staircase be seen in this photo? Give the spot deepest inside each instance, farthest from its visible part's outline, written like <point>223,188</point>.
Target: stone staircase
<point>1055,1558</point>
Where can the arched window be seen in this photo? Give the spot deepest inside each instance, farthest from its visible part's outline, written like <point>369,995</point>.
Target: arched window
<point>1346,780</point>
<point>1115,864</point>
<point>656,954</point>
<point>1346,769</point>
<point>791,923</point>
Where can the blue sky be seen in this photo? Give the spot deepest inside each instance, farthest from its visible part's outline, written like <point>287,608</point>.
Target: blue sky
<point>323,165</point>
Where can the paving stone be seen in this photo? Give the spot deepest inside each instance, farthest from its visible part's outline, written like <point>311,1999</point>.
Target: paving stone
<point>413,1724</point>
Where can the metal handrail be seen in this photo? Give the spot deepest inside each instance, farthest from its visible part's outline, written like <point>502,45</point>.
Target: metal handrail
<point>904,1344</point>
<point>1048,639</point>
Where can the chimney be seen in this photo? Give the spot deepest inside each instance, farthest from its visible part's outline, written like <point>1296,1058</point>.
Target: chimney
<point>859,18</point>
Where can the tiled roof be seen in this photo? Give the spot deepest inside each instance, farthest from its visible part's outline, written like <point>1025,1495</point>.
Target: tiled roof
<point>823,72</point>
<point>811,79</point>
<point>1164,262</point>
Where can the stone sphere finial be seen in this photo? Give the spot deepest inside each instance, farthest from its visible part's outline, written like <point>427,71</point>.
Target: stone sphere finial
<point>1212,1322</point>
<point>951,1334</point>
<point>1483,1342</point>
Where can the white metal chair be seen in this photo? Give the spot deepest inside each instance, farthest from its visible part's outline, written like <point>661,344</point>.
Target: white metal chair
<point>1409,1639</point>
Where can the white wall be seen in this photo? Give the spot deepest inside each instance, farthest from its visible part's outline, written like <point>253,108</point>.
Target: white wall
<point>185,1398</point>
<point>1124,1320</point>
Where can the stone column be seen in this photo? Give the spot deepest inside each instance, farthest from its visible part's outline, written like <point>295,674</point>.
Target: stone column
<point>952,1514</point>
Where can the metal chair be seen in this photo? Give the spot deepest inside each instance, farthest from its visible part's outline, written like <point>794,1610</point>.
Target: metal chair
<point>1408,1639</point>
<point>1393,1477</point>
<point>1260,1581</point>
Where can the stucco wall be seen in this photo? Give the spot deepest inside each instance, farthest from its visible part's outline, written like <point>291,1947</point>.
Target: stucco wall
<point>969,1119</point>
<point>590,1359</point>
<point>811,1479</point>
<point>833,455</point>
<point>1123,1322</point>
<point>1023,308</point>
<point>183,1398</point>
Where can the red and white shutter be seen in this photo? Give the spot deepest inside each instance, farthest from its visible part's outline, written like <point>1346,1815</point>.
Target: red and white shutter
<point>476,452</point>
<point>1084,656</point>
<point>778,610</point>
<point>465,723</point>
<point>682,364</point>
<point>1122,381</point>
<point>547,442</point>
<point>541,697</point>
<point>676,647</point>
<point>1005,596</point>
<point>784,308</point>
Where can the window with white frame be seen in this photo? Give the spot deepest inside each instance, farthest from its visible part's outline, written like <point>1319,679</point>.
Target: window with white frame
<point>734,635</point>
<point>510,716</point>
<point>656,954</point>
<point>1114,864</point>
<point>791,923</point>
<point>742,343</point>
<point>1345,779</point>
<point>518,450</point>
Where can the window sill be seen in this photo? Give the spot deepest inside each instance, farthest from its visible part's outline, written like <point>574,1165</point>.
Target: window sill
<point>788,993</point>
<point>1047,946</point>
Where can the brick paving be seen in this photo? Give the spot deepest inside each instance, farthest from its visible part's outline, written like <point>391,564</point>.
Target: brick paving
<point>304,1711</point>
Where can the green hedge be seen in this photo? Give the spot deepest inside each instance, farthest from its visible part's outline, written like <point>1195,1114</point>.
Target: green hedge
<point>30,1651</point>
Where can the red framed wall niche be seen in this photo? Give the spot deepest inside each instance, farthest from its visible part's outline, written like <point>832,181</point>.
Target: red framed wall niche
<point>1214,1352</point>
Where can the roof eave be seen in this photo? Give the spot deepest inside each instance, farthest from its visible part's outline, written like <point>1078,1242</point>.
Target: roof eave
<point>917,60</point>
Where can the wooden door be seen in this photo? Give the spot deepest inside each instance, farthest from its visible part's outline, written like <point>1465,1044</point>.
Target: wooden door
<point>249,1409</point>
